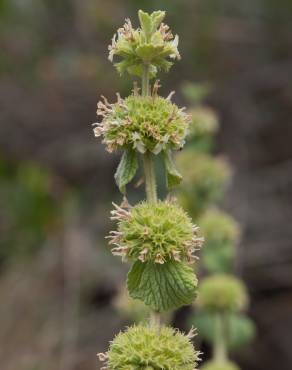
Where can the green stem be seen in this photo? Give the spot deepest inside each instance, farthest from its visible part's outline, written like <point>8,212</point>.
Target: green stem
<point>148,160</point>
<point>150,178</point>
<point>145,80</point>
<point>220,345</point>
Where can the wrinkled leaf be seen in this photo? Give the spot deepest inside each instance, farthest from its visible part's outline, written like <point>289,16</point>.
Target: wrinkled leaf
<point>162,287</point>
<point>173,177</point>
<point>127,169</point>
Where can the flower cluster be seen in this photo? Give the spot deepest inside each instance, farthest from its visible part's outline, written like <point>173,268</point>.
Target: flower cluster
<point>221,233</point>
<point>154,232</point>
<point>153,44</point>
<point>215,365</point>
<point>151,348</point>
<point>219,228</point>
<point>204,122</point>
<point>222,293</point>
<point>143,123</point>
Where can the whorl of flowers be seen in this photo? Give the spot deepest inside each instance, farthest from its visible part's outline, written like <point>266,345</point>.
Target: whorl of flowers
<point>203,171</point>
<point>216,365</point>
<point>204,122</point>
<point>222,293</point>
<point>154,232</point>
<point>153,44</point>
<point>150,348</point>
<point>143,123</point>
<point>218,226</point>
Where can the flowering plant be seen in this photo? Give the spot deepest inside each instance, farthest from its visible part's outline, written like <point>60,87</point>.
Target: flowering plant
<point>156,236</point>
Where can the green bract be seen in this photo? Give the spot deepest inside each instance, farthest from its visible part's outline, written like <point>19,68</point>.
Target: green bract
<point>153,44</point>
<point>154,232</point>
<point>222,293</point>
<point>151,348</point>
<point>143,123</point>
<point>215,365</point>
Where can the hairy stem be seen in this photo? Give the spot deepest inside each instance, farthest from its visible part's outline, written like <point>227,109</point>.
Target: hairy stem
<point>145,80</point>
<point>220,345</point>
<point>148,160</point>
<point>150,178</point>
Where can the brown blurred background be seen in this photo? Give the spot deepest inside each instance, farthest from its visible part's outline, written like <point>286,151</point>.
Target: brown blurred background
<point>57,277</point>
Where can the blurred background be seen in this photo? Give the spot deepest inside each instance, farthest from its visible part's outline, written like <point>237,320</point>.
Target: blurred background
<point>58,280</point>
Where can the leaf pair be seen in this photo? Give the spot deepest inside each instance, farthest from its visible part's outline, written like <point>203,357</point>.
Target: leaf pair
<point>128,167</point>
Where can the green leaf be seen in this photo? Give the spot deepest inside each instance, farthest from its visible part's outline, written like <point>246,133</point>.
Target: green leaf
<point>146,23</point>
<point>162,287</point>
<point>218,258</point>
<point>157,17</point>
<point>126,169</point>
<point>150,22</point>
<point>173,177</point>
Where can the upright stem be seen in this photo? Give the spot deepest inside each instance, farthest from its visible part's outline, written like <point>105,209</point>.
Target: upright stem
<point>150,178</point>
<point>145,80</point>
<point>149,170</point>
<point>220,345</point>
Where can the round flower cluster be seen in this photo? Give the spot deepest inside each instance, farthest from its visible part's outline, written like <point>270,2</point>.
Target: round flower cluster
<point>204,180</point>
<point>154,232</point>
<point>143,123</point>
<point>150,348</point>
<point>222,293</point>
<point>153,44</point>
<point>221,233</point>
<point>219,228</point>
<point>215,365</point>
<point>204,122</point>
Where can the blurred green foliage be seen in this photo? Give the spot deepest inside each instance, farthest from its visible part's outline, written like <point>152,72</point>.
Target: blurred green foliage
<point>29,209</point>
<point>240,329</point>
<point>205,181</point>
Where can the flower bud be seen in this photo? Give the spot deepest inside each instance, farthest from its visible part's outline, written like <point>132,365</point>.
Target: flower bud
<point>152,44</point>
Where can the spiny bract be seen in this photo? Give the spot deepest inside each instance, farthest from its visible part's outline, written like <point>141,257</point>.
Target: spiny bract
<point>143,123</point>
<point>151,348</point>
<point>155,232</point>
<point>212,365</point>
<point>222,293</point>
<point>153,44</point>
